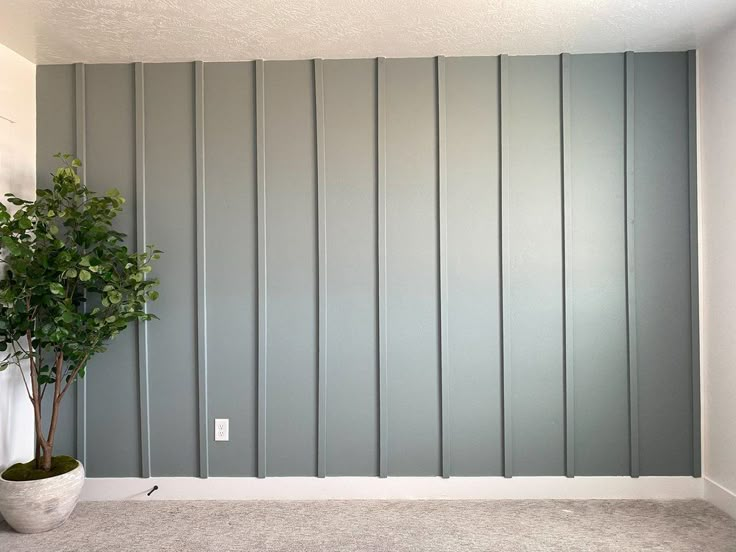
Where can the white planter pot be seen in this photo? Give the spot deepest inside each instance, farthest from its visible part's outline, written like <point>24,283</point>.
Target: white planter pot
<point>41,505</point>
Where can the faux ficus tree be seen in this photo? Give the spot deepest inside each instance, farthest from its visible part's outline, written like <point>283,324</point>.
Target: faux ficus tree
<point>70,285</point>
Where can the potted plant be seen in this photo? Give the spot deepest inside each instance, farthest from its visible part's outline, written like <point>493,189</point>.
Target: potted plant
<point>70,286</point>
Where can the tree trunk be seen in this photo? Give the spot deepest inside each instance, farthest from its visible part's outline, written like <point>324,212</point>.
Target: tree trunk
<point>38,424</point>
<point>45,445</point>
<point>41,443</point>
<point>46,458</point>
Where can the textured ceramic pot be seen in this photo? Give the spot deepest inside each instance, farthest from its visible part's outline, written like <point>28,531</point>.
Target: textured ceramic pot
<point>42,505</point>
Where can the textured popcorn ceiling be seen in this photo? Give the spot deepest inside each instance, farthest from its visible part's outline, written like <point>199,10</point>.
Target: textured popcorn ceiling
<point>62,31</point>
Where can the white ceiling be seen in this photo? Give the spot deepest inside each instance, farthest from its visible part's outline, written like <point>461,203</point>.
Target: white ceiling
<point>63,31</point>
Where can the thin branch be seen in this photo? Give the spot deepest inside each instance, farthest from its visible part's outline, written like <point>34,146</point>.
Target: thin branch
<point>39,352</point>
<point>78,367</point>
<point>28,390</point>
<point>59,361</point>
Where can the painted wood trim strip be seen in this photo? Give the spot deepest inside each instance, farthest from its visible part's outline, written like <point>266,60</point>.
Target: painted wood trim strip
<point>140,216</point>
<point>201,269</point>
<point>262,268</point>
<point>692,77</point>
<point>319,98</point>
<point>504,207</point>
<point>395,488</point>
<point>81,153</point>
<point>381,268</point>
<point>442,253</point>
<point>631,267</point>
<point>568,287</point>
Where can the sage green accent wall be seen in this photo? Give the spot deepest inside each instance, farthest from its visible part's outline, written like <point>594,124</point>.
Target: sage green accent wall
<point>350,276</point>
<point>232,324</point>
<point>534,327</point>
<point>110,104</point>
<point>663,292</point>
<point>55,126</point>
<point>597,264</point>
<point>462,266</point>
<point>473,262</point>
<point>412,282</point>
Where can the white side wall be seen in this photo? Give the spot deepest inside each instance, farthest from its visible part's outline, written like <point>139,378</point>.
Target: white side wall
<point>17,175</point>
<point>717,82</point>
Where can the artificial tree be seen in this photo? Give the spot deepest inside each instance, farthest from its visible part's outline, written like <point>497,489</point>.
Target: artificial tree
<point>70,286</point>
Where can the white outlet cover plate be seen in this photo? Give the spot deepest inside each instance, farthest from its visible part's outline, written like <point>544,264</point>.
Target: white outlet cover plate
<point>222,429</point>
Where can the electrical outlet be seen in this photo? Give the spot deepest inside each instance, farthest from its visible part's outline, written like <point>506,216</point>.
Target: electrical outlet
<point>222,429</point>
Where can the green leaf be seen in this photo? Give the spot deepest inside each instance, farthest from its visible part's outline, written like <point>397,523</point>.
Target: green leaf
<point>67,236</point>
<point>56,288</point>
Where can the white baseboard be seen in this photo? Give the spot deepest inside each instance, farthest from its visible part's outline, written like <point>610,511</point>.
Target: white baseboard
<point>311,488</point>
<point>720,496</point>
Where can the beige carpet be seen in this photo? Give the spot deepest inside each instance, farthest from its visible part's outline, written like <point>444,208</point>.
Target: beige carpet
<point>468,526</point>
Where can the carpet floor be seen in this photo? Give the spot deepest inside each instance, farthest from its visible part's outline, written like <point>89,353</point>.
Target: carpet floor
<point>420,525</point>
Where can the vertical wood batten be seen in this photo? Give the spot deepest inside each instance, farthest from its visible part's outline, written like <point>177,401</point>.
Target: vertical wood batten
<point>201,269</point>
<point>81,153</point>
<point>381,267</point>
<point>140,210</point>
<point>694,255</point>
<point>319,98</point>
<point>503,83</point>
<point>262,272</point>
<point>442,252</point>
<point>567,228</point>
<point>631,268</point>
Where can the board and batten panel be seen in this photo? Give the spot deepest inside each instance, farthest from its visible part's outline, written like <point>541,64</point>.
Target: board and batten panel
<point>412,287</point>
<point>291,266</point>
<point>535,330</point>
<point>231,233</point>
<point>351,324</point>
<point>55,133</point>
<point>663,263</point>
<point>171,226</point>
<point>596,258</point>
<point>112,378</point>
<point>473,258</point>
